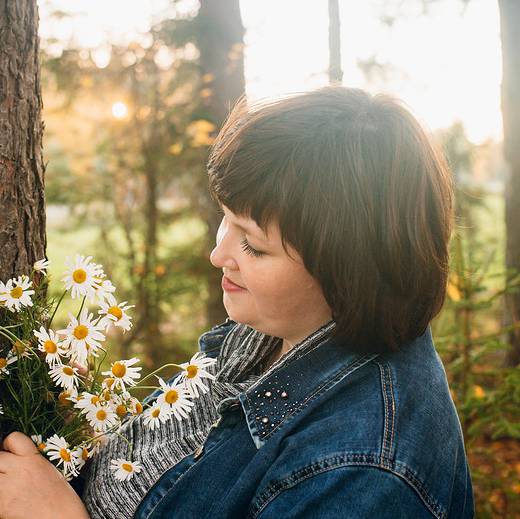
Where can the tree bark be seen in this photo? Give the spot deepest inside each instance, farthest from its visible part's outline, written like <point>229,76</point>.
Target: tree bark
<point>22,199</point>
<point>335,71</point>
<point>509,24</point>
<point>221,43</point>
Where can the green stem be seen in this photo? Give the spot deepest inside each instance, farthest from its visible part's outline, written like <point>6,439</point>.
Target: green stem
<point>156,371</point>
<point>81,307</point>
<point>55,309</point>
<point>98,367</point>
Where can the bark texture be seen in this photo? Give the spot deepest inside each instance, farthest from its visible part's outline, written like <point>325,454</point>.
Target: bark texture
<point>510,24</point>
<point>22,202</point>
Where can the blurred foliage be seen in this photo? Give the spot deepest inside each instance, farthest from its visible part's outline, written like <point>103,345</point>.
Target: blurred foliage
<point>127,133</point>
<point>471,338</point>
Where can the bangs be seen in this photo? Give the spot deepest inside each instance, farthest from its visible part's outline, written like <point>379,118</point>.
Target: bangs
<point>252,172</point>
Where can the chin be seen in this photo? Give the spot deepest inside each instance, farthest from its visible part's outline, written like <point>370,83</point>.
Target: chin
<point>239,317</point>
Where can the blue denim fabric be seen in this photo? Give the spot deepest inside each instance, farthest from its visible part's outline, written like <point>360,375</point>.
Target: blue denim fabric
<point>331,434</point>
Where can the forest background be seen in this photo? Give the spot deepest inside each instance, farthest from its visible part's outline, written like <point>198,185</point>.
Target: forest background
<point>134,94</point>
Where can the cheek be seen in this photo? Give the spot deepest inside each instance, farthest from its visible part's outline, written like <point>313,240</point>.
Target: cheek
<point>283,286</point>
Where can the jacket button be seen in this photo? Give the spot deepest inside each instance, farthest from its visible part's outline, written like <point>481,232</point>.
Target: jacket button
<point>265,419</point>
<point>284,394</point>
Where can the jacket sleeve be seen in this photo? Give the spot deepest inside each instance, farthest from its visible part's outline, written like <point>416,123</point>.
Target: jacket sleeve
<point>349,492</point>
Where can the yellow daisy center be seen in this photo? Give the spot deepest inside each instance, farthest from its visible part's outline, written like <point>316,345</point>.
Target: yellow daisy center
<point>84,454</point>
<point>121,410</point>
<point>3,362</point>
<point>80,332</point>
<point>79,276</point>
<point>50,346</point>
<point>17,292</point>
<point>192,371</point>
<point>138,408</point>
<point>41,446</point>
<point>68,370</point>
<point>101,414</point>
<point>19,347</point>
<point>156,412</point>
<point>171,396</point>
<point>127,467</point>
<point>63,398</point>
<point>118,369</point>
<point>109,382</point>
<point>116,312</point>
<point>65,454</point>
<point>107,395</point>
<point>94,399</point>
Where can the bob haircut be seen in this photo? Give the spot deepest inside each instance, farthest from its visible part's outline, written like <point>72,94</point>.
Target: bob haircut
<point>359,190</point>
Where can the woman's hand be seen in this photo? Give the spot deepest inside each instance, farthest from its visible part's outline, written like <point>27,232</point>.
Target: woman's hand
<point>30,486</point>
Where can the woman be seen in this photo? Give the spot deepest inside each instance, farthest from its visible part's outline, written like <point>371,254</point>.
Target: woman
<point>327,398</point>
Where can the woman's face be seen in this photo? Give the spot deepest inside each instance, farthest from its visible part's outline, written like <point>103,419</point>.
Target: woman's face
<point>278,296</point>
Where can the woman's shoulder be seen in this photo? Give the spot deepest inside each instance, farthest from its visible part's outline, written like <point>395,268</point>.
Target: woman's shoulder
<point>394,414</point>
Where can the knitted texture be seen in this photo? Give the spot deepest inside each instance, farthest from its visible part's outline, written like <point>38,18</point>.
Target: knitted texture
<point>240,365</point>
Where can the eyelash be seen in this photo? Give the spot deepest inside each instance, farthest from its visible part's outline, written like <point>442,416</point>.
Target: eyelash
<point>249,250</point>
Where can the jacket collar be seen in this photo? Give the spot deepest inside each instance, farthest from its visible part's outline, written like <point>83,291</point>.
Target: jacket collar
<point>288,387</point>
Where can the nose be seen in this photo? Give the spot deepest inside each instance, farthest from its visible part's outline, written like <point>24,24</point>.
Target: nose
<point>220,256</point>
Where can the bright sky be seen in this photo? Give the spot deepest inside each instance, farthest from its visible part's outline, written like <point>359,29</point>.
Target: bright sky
<point>446,66</point>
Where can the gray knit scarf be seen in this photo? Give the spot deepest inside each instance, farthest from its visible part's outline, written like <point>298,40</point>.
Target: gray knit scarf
<point>240,365</point>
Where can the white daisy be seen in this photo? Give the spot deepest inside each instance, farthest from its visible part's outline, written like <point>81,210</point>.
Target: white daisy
<point>6,361</point>
<point>176,397</point>
<point>104,287</point>
<point>64,376</point>
<point>49,343</point>
<point>80,277</point>
<point>194,371</point>
<point>21,348</point>
<point>59,449</point>
<point>157,414</point>
<point>124,469</point>
<point>41,266</point>
<point>101,417</point>
<point>68,396</point>
<point>38,441</point>
<point>86,402</point>
<point>136,407</point>
<point>123,374</point>
<point>121,404</point>
<point>83,336</point>
<point>115,313</point>
<point>81,455</point>
<point>108,383</point>
<point>15,293</point>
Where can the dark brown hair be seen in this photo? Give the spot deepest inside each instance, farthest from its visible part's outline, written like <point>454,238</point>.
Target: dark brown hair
<point>359,190</point>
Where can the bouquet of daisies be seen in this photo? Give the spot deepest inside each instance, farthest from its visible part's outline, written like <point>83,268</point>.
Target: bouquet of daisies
<point>52,386</point>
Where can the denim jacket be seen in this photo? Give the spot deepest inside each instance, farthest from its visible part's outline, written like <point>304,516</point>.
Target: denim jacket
<point>331,434</point>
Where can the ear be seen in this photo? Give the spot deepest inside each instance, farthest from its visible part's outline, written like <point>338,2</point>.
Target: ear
<point>19,444</point>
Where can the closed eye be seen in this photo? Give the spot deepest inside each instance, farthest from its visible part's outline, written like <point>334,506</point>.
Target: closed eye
<point>249,250</point>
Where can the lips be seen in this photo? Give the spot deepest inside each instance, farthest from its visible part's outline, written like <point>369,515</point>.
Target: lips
<point>228,284</point>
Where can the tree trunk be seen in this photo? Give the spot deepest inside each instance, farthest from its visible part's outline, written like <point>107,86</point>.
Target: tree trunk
<point>221,43</point>
<point>22,201</point>
<point>335,72</point>
<point>510,22</point>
